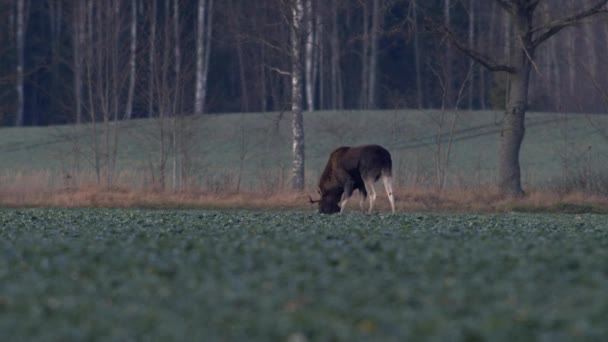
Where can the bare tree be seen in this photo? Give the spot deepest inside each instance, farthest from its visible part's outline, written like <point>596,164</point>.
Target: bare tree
<point>447,21</point>
<point>132,51</point>
<point>22,14</point>
<point>413,9</point>
<point>203,51</point>
<point>309,55</point>
<point>176,142</point>
<point>527,36</point>
<point>296,96</point>
<point>337,96</point>
<point>151,54</point>
<point>239,42</point>
<point>78,38</point>
<point>373,58</point>
<point>105,70</point>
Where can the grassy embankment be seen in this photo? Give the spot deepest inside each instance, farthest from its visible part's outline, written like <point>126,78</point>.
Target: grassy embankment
<point>236,160</point>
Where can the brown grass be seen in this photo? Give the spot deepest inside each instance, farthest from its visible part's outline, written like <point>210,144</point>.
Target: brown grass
<point>39,194</point>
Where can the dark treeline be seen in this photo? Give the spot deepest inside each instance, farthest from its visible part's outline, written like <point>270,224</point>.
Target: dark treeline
<point>65,61</point>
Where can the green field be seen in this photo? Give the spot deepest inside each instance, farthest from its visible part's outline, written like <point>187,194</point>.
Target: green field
<point>257,147</point>
<point>100,274</point>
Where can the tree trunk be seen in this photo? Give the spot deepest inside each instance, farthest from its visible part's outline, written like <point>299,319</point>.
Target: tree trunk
<point>296,98</point>
<point>133,50</point>
<point>238,42</point>
<point>364,58</point>
<point>309,56</point>
<point>320,28</point>
<point>78,45</point>
<point>471,46</point>
<point>199,96</point>
<point>512,136</point>
<point>20,33</point>
<point>176,112</point>
<point>373,58</point>
<point>151,58</point>
<point>337,101</point>
<point>449,90</point>
<point>419,94</point>
<point>513,128</point>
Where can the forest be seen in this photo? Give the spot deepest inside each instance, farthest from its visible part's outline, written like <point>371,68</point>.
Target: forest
<point>68,61</point>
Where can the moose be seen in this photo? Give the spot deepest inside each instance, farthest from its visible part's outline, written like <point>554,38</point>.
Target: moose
<point>354,168</point>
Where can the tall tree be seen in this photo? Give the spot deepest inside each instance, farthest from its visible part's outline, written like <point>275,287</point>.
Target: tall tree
<point>176,111</point>
<point>132,60</point>
<point>527,36</point>
<point>337,91</point>
<point>373,58</point>
<point>296,96</point>
<point>78,45</point>
<point>152,54</point>
<point>203,51</point>
<point>414,18</point>
<point>309,53</point>
<point>22,11</point>
<point>449,70</point>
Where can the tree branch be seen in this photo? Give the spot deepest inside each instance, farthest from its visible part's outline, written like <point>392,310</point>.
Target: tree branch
<point>506,5</point>
<point>532,5</point>
<point>477,56</point>
<point>557,25</point>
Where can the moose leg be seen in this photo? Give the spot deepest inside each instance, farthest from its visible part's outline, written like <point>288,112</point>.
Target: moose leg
<point>388,186</point>
<point>348,191</point>
<point>369,187</point>
<point>362,198</point>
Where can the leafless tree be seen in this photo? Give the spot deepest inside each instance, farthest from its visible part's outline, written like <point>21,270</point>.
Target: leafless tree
<point>106,70</point>
<point>22,16</point>
<point>132,60</point>
<point>528,35</point>
<point>78,44</point>
<point>203,50</point>
<point>297,9</point>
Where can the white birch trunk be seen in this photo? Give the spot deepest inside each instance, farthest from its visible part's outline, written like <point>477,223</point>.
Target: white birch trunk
<point>296,98</point>
<point>320,61</point>
<point>177,65</point>
<point>471,46</point>
<point>309,56</point>
<point>20,36</point>
<point>133,50</point>
<point>203,50</point>
<point>151,59</point>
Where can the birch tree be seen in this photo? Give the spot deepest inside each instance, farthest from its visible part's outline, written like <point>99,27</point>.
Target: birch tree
<point>151,55</point>
<point>296,97</point>
<point>528,35</point>
<point>309,57</point>
<point>22,12</point>
<point>203,51</point>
